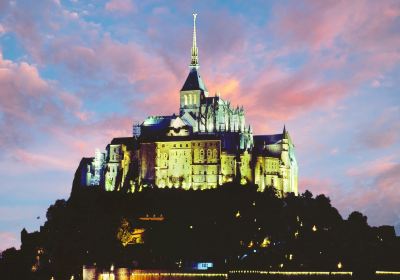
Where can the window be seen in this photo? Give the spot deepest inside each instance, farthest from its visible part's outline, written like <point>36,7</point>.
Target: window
<point>185,98</point>
<point>190,99</point>
<point>194,99</point>
<point>215,153</point>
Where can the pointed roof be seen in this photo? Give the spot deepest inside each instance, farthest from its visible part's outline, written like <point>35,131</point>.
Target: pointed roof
<point>194,62</point>
<point>194,81</point>
<point>285,134</point>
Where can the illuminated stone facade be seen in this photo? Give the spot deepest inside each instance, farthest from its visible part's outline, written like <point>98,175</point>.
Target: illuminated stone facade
<point>204,146</point>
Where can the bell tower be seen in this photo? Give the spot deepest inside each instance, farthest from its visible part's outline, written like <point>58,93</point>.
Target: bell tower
<point>194,90</point>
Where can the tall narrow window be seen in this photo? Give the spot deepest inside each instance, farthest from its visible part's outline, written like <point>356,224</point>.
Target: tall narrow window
<point>194,98</point>
<point>201,154</point>
<point>190,99</point>
<point>185,98</point>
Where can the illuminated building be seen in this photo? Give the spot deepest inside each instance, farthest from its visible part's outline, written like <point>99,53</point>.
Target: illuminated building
<point>129,236</point>
<point>204,146</point>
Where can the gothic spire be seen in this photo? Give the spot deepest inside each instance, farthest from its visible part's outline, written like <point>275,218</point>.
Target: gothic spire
<point>194,63</point>
<point>285,133</point>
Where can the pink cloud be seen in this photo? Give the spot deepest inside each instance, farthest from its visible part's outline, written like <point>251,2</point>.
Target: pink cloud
<point>288,97</point>
<point>379,199</point>
<point>318,186</point>
<point>372,168</point>
<point>122,6</point>
<point>364,24</point>
<point>374,192</point>
<point>8,240</point>
<point>43,160</point>
<point>382,132</point>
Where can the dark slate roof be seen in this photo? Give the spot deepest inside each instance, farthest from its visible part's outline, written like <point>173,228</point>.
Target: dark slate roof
<point>269,151</point>
<point>267,139</point>
<point>211,100</point>
<point>128,141</point>
<point>155,125</point>
<point>157,121</point>
<point>230,141</point>
<point>194,81</point>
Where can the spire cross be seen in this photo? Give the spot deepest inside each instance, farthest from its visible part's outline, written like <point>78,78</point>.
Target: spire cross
<point>195,52</point>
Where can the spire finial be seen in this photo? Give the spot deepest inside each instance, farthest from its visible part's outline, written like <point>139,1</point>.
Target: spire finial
<point>194,63</point>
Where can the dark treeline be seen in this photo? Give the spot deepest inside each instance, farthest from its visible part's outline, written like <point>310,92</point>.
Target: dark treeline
<point>232,226</point>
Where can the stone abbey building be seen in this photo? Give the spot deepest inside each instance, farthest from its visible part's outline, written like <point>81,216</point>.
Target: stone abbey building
<point>204,146</point>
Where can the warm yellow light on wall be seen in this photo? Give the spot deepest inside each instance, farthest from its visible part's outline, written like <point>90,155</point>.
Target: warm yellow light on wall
<point>314,228</point>
<point>339,265</point>
<point>265,242</point>
<point>237,215</point>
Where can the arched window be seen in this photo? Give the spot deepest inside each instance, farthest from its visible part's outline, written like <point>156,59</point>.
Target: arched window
<point>209,153</point>
<point>215,153</point>
<point>201,154</point>
<point>185,98</point>
<point>190,99</point>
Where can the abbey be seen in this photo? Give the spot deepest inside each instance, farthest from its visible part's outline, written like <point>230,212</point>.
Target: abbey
<point>204,146</point>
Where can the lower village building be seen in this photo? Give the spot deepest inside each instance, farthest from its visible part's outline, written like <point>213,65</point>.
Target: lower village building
<point>204,146</point>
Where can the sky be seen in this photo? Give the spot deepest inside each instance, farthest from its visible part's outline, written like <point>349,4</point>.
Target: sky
<point>74,74</point>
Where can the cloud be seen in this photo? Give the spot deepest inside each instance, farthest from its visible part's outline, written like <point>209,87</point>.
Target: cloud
<point>382,132</point>
<point>375,191</point>
<point>318,186</point>
<point>372,168</point>
<point>121,6</point>
<point>45,161</point>
<point>360,25</point>
<point>28,102</point>
<point>8,240</point>
<point>279,95</point>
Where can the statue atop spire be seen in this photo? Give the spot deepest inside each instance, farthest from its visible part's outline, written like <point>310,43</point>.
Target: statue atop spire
<point>194,63</point>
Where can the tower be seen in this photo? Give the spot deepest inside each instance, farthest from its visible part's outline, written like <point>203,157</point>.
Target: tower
<point>194,90</point>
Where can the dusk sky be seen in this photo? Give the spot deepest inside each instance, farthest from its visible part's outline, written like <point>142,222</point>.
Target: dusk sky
<point>74,74</point>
